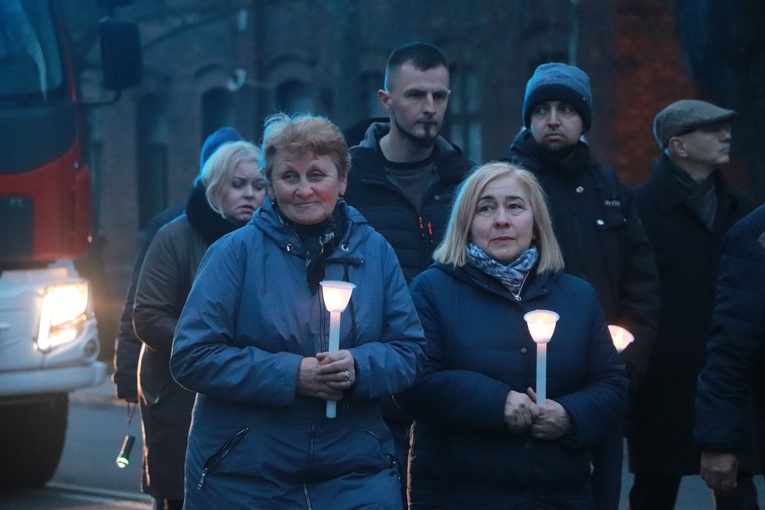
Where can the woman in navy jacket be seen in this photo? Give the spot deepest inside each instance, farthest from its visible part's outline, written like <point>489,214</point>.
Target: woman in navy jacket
<point>252,341</point>
<point>479,438</point>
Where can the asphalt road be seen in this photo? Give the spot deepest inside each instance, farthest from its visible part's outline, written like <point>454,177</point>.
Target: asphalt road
<point>89,479</point>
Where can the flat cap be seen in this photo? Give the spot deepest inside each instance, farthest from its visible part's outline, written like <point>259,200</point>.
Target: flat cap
<point>684,116</point>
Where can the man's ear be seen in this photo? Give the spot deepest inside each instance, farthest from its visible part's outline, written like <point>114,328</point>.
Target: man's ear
<point>677,146</point>
<point>384,98</point>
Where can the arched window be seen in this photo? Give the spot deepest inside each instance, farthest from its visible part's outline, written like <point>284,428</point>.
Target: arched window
<point>295,96</point>
<point>372,82</point>
<point>464,126</point>
<point>217,111</point>
<point>151,157</point>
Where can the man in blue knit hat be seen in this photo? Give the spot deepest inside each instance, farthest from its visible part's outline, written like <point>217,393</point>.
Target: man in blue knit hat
<point>598,229</point>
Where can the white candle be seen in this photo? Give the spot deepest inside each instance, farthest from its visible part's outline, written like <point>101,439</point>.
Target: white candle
<point>334,345</point>
<point>336,295</point>
<point>541,373</point>
<point>541,324</point>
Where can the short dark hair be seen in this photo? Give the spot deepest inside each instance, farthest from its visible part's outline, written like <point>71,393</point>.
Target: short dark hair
<point>422,55</point>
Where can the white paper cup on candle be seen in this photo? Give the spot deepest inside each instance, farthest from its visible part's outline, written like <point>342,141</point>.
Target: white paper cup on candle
<point>336,295</point>
<point>541,324</point>
<point>620,337</point>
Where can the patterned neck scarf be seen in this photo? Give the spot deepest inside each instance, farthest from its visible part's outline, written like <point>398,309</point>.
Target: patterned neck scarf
<point>319,240</point>
<point>512,275</point>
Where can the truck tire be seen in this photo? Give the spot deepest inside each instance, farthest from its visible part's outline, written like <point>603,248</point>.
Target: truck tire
<point>32,433</point>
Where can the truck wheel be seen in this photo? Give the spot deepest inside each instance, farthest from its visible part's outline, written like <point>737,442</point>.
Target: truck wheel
<point>32,433</point>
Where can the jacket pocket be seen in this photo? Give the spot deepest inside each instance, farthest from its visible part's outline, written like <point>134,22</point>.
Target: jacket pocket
<point>609,217</point>
<point>389,456</point>
<point>217,457</point>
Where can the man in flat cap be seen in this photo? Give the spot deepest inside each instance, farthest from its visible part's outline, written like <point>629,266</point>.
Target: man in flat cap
<point>686,208</point>
<point>598,229</point>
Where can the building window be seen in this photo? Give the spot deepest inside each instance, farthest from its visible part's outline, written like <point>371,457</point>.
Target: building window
<point>151,148</point>
<point>295,96</point>
<point>544,58</point>
<point>372,82</point>
<point>464,126</point>
<point>217,111</point>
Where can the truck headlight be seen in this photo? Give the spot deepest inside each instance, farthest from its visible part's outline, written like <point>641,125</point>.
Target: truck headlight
<point>63,314</point>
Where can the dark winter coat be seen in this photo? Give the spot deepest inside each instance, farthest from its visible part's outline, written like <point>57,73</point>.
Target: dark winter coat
<point>479,349</point>
<point>163,284</point>
<point>599,232</point>
<point>687,256</point>
<point>736,349</point>
<point>249,321</point>
<point>127,345</point>
<point>603,242</point>
<point>414,231</point>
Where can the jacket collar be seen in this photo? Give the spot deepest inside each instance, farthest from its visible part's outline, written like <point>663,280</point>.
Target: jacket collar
<point>668,192</point>
<point>539,161</point>
<point>535,285</point>
<point>267,219</point>
<point>449,159</point>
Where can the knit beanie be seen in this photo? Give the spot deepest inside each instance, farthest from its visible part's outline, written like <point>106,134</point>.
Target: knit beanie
<point>215,140</point>
<point>559,82</point>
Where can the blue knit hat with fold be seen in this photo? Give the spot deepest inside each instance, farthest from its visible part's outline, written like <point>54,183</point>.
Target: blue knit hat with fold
<point>559,82</point>
<point>215,140</point>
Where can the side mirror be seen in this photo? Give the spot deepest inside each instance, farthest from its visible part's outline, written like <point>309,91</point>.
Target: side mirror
<point>120,54</point>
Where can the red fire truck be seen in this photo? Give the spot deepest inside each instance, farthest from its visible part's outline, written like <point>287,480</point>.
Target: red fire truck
<point>49,341</point>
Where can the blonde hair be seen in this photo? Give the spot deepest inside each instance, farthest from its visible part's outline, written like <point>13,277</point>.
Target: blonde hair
<point>294,135</point>
<point>220,167</point>
<point>452,249</point>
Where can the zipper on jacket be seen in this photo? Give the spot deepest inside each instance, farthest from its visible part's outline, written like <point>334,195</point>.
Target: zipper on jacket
<point>426,230</point>
<point>307,497</point>
<point>318,407</point>
<point>217,457</point>
<point>391,458</point>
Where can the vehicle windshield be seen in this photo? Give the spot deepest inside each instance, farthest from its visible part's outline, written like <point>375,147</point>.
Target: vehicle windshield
<point>30,61</point>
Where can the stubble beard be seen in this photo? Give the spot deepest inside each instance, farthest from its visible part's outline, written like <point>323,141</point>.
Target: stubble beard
<point>425,141</point>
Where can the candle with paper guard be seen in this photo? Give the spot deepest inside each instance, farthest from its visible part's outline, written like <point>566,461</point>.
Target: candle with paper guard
<point>541,324</point>
<point>336,295</point>
<point>620,336</point>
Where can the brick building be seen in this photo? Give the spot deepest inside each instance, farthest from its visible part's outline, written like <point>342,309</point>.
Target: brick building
<point>232,62</point>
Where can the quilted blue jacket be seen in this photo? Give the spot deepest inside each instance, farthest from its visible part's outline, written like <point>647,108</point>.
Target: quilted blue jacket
<point>249,320</point>
<point>479,349</point>
<point>736,349</point>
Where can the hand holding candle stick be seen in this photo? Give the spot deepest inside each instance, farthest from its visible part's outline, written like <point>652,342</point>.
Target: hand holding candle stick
<point>336,295</point>
<point>541,324</point>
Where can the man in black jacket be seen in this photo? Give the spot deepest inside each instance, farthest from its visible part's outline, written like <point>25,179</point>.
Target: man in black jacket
<point>686,209</point>
<point>597,226</point>
<point>404,173</point>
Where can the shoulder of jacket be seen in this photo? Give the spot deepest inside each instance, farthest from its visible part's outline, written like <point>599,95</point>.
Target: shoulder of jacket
<point>366,161</point>
<point>177,233</point>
